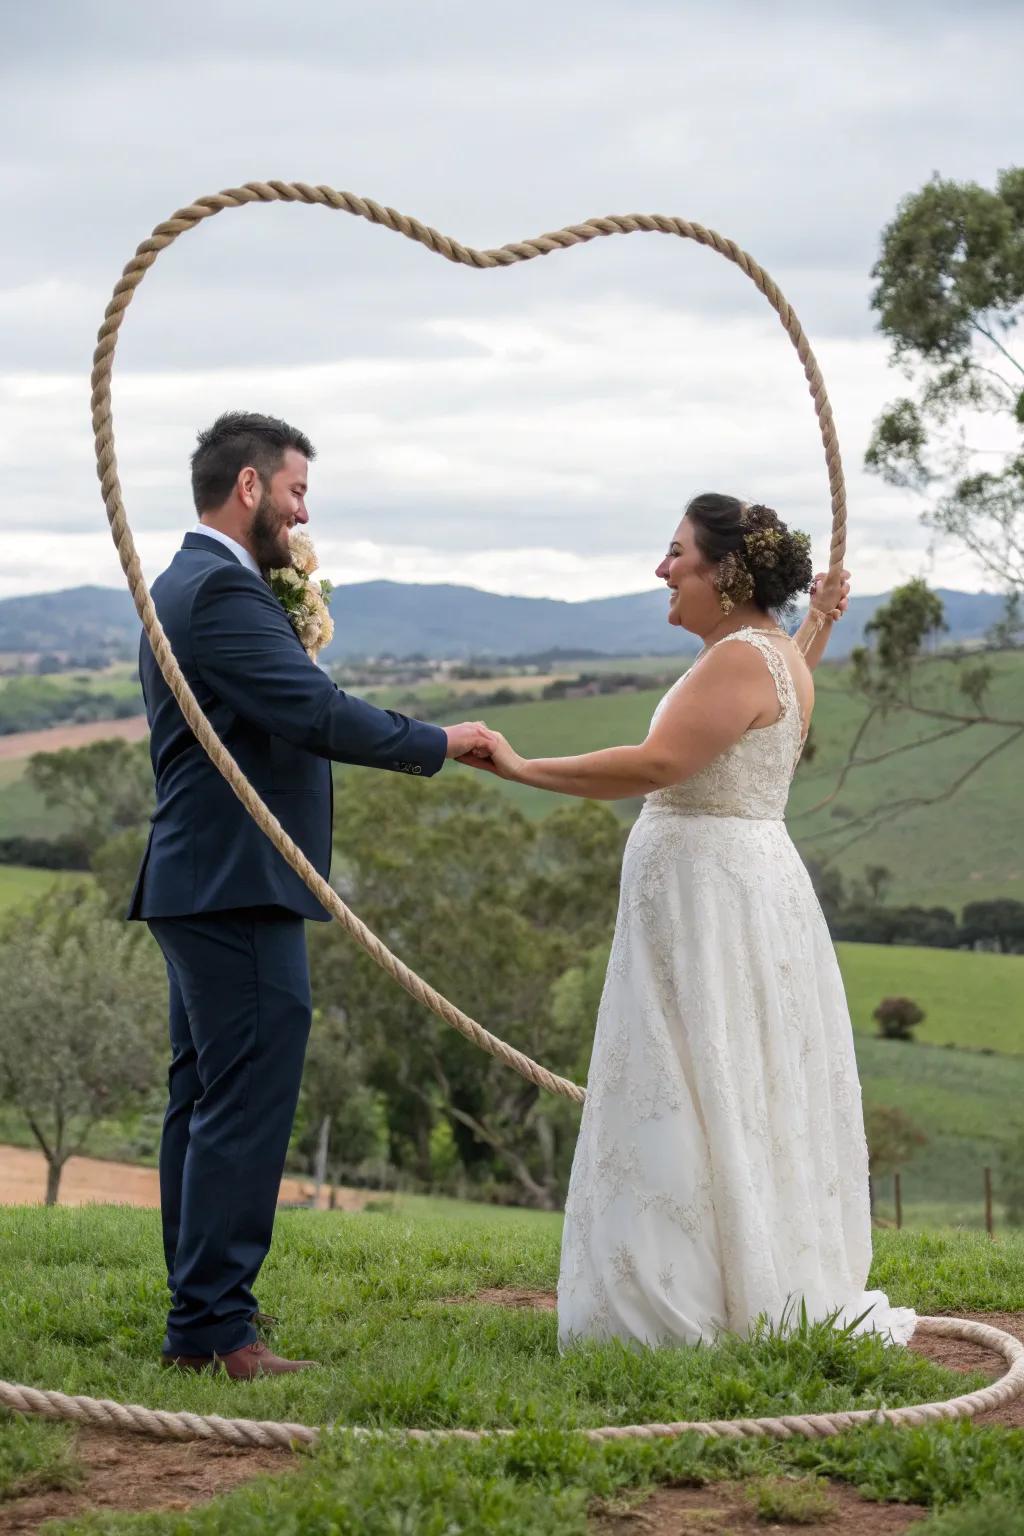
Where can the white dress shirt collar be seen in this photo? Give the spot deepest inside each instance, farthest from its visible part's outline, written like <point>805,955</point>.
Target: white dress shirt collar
<point>238,550</point>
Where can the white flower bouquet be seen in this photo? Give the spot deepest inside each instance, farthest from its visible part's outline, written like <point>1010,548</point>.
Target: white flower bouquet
<point>303,599</point>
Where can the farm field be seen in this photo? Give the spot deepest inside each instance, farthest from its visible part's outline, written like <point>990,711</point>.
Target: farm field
<point>416,1312</point>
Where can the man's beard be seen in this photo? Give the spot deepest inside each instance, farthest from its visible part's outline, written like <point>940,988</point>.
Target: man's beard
<point>268,536</point>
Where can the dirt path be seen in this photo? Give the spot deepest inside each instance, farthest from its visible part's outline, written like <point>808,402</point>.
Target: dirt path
<point>91,1181</point>
<point>129,1473</point>
<point>25,743</point>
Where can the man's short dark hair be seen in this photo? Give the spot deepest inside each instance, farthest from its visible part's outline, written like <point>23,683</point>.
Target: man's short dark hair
<point>237,440</point>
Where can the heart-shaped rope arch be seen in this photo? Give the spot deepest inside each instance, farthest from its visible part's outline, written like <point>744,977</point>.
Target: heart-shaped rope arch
<point>246,1432</point>
<point>452,250</point>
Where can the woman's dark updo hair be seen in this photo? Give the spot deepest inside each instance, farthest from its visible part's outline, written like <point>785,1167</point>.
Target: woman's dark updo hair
<point>758,558</point>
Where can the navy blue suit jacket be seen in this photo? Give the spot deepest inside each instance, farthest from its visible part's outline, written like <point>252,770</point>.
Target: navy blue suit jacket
<point>279,716</point>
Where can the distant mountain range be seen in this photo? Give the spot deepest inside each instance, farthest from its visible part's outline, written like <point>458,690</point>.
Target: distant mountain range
<point>375,618</point>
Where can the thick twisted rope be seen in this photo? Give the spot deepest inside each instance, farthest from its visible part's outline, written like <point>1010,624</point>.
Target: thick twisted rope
<point>504,256</point>
<point>100,1413</point>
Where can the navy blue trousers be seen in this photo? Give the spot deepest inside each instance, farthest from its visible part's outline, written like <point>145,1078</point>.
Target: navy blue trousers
<point>239,1021</point>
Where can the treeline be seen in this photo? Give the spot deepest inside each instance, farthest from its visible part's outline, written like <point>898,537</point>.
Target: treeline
<point>857,912</point>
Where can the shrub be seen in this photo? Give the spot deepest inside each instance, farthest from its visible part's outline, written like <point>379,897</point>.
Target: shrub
<point>897,1017</point>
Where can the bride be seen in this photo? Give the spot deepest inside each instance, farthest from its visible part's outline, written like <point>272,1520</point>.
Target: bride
<point>721,1170</point>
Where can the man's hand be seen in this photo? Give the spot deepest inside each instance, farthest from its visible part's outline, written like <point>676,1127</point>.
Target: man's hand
<point>830,594</point>
<point>470,739</point>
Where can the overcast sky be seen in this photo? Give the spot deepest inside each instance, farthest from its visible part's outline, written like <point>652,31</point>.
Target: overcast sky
<point>535,430</point>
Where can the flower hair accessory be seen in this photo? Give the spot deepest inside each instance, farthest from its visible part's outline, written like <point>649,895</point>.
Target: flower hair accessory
<point>303,599</point>
<point>763,542</point>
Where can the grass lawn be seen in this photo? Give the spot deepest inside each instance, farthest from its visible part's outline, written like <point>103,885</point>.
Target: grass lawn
<point>970,1000</point>
<point>81,1298</point>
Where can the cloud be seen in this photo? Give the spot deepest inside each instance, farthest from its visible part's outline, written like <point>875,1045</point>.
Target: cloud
<point>539,425</point>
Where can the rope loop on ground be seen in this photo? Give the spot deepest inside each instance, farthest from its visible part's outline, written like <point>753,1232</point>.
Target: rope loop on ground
<point>100,1413</point>
<point>452,250</point>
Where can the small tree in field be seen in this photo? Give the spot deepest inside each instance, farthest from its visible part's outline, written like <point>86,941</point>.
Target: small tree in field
<point>1012,1180</point>
<point>79,1027</point>
<point>892,1138</point>
<point>897,1018</point>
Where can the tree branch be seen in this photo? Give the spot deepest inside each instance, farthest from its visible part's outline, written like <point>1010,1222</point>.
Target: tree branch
<point>879,757</point>
<point>872,820</point>
<point>998,345</point>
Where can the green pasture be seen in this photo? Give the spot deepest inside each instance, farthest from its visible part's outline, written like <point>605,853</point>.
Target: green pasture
<point>970,1000</point>
<point>383,1300</point>
<point>18,885</point>
<point>948,854</point>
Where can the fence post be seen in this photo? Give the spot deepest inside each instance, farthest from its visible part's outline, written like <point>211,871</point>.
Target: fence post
<point>898,1198</point>
<point>989,1227</point>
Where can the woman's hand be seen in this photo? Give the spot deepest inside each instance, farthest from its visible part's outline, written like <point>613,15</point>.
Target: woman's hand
<point>830,594</point>
<point>503,761</point>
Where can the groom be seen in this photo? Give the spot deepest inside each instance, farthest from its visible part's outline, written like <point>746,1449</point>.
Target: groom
<point>224,907</point>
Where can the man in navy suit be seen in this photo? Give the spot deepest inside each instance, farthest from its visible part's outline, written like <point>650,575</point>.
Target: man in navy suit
<point>224,907</point>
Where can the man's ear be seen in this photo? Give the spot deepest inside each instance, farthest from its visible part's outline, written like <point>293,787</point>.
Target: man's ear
<point>249,487</point>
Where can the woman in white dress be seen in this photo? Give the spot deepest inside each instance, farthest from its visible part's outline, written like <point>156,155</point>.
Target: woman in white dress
<point>721,1170</point>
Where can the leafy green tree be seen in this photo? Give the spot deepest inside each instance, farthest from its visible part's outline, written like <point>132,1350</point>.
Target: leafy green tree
<point>892,1138</point>
<point>492,910</point>
<point>950,296</point>
<point>995,922</point>
<point>1011,1183</point>
<point>81,1023</point>
<point>106,787</point>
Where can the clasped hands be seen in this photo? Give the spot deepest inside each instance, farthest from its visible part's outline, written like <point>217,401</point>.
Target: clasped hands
<point>476,746</point>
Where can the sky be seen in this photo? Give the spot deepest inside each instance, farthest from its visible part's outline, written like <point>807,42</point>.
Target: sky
<point>535,430</point>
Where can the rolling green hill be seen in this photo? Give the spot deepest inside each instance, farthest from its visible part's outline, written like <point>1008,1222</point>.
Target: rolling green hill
<point>973,1001</point>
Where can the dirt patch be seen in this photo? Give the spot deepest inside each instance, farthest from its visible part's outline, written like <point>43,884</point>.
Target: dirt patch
<point>507,1296</point>
<point>725,1509</point>
<point>92,1181</point>
<point>958,1355</point>
<point>131,1473</point>
<point>25,743</point>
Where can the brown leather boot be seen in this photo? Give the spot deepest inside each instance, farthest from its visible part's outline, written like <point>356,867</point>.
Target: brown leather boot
<point>242,1364</point>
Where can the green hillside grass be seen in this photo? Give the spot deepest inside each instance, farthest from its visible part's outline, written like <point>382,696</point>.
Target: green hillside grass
<point>18,885</point>
<point>949,854</point>
<point>370,1296</point>
<point>971,1000</point>
<point>968,1106</point>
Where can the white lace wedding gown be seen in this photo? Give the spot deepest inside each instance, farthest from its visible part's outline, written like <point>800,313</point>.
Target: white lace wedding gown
<point>721,1169</point>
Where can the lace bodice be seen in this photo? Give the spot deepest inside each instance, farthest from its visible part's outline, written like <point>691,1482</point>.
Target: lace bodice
<point>751,778</point>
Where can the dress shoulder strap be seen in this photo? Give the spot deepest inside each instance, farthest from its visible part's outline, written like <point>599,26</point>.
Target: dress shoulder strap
<point>762,642</point>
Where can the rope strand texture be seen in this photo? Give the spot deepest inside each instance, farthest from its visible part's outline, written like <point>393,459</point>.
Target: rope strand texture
<point>452,250</point>
<point>100,1413</point>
